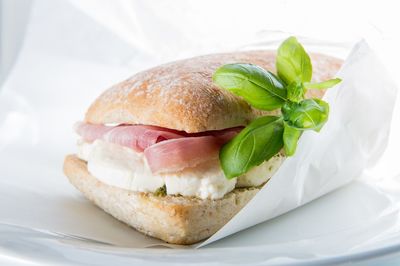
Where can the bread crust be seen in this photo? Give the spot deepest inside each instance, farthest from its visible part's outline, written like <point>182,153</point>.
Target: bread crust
<point>174,219</point>
<point>181,95</point>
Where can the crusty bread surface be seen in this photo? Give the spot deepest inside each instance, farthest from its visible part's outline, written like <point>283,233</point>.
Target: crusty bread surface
<point>181,95</point>
<point>174,219</point>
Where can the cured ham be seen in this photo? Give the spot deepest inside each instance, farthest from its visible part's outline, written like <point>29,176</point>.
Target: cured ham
<point>91,132</point>
<point>137,137</point>
<point>166,150</point>
<point>177,154</point>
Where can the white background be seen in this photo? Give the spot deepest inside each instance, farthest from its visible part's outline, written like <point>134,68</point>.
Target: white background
<point>160,31</point>
<point>377,21</point>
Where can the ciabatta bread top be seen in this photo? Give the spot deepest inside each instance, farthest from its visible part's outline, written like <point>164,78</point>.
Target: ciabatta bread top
<point>181,95</point>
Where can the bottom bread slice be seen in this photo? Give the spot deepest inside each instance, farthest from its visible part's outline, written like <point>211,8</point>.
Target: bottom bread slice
<point>174,219</point>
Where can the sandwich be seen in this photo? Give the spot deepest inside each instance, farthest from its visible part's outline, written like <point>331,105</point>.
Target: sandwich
<point>166,151</point>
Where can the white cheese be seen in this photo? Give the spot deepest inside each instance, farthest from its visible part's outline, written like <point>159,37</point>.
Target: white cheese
<point>84,149</point>
<point>121,167</point>
<point>205,181</point>
<point>125,168</point>
<point>260,174</point>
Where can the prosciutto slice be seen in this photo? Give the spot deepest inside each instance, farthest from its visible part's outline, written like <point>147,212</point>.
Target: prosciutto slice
<point>91,132</point>
<point>137,137</point>
<point>177,154</point>
<point>166,150</point>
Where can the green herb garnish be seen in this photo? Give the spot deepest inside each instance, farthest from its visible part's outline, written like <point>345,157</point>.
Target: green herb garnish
<point>264,137</point>
<point>161,191</point>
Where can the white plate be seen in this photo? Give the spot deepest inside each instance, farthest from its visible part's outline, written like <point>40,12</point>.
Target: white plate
<point>291,239</point>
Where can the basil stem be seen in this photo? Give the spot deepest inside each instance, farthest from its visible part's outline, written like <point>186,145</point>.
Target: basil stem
<point>295,92</point>
<point>308,114</point>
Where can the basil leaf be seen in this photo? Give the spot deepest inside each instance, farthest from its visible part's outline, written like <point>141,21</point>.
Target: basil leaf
<point>292,62</point>
<point>323,85</point>
<point>295,92</point>
<point>256,143</point>
<point>291,136</point>
<point>258,87</point>
<point>308,114</point>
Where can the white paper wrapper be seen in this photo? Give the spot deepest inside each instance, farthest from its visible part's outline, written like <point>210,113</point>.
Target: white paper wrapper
<point>353,139</point>
<point>56,78</point>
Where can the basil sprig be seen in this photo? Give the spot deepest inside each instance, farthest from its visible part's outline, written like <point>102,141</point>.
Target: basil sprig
<point>265,136</point>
